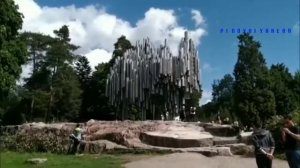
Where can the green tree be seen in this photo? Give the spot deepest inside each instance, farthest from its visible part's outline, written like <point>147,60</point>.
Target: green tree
<point>12,49</point>
<point>83,71</point>
<point>99,107</point>
<point>67,95</point>
<point>97,85</point>
<point>296,88</point>
<point>209,111</point>
<point>222,92</point>
<point>37,45</point>
<point>37,84</point>
<point>15,112</point>
<point>282,89</point>
<point>121,46</point>
<point>53,87</point>
<point>253,99</point>
<point>64,88</point>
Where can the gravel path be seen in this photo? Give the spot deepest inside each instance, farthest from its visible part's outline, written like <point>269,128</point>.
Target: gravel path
<point>194,160</point>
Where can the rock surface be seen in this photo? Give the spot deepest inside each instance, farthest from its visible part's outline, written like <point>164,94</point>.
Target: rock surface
<point>225,140</point>
<point>178,135</point>
<point>108,136</point>
<point>241,149</point>
<point>221,130</point>
<point>245,137</point>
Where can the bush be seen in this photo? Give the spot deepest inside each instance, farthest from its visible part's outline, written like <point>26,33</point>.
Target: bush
<point>296,115</point>
<point>37,140</point>
<point>274,125</point>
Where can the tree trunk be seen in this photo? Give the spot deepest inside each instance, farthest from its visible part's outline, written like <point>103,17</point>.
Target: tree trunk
<point>31,108</point>
<point>49,106</point>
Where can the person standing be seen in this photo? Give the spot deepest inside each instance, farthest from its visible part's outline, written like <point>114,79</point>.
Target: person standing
<point>291,139</point>
<point>264,146</point>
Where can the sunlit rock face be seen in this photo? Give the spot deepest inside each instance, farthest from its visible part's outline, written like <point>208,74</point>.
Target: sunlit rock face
<point>153,79</point>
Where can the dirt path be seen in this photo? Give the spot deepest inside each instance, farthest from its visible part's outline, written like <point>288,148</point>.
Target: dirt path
<point>193,160</point>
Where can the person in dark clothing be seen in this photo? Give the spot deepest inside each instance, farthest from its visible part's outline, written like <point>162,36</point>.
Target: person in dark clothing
<point>290,137</point>
<point>264,146</point>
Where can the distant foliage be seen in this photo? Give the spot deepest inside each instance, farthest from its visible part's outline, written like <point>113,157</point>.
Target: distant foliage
<point>282,81</point>
<point>296,116</point>
<point>256,93</point>
<point>223,96</point>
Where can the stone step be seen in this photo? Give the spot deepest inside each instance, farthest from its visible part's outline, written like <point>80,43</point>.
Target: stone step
<point>221,130</point>
<point>177,137</point>
<point>225,140</point>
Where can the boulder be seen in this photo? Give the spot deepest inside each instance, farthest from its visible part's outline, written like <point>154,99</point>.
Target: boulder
<point>94,147</point>
<point>158,139</point>
<point>178,135</point>
<point>37,160</point>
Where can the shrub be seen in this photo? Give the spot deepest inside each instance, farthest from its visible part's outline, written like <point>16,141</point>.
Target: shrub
<point>37,140</point>
<point>274,125</point>
<point>296,115</point>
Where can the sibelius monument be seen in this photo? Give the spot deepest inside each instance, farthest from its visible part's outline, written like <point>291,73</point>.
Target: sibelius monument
<point>153,80</point>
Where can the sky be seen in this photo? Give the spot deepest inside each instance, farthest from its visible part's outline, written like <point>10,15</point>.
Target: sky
<point>95,25</point>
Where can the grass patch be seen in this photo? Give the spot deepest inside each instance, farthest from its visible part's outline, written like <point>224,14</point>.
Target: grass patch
<point>17,160</point>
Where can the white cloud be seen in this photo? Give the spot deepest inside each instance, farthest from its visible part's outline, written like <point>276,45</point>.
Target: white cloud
<point>29,9</point>
<point>98,56</point>
<point>197,17</point>
<point>206,97</point>
<point>95,30</point>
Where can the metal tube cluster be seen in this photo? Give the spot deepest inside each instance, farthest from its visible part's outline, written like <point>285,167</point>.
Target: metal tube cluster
<point>145,73</point>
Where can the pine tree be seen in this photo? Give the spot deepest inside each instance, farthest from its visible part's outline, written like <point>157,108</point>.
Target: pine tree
<point>254,101</point>
<point>64,88</point>
<point>83,71</point>
<point>53,87</point>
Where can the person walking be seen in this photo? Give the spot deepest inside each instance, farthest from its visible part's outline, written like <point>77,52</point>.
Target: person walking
<point>264,146</point>
<point>291,139</point>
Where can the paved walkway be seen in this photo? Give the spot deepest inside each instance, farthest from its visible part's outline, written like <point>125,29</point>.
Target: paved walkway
<point>194,160</point>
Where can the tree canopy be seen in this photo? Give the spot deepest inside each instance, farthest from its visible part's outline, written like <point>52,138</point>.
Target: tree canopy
<point>256,93</point>
<point>63,87</point>
<point>12,49</point>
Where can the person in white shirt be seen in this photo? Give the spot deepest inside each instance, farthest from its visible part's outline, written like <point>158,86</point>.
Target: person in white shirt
<point>77,138</point>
